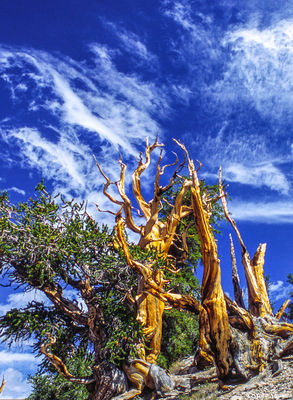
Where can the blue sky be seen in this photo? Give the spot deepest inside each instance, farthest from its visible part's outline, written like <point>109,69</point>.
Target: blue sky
<point>97,77</point>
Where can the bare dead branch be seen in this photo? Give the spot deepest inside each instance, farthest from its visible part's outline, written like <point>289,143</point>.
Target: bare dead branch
<point>238,292</point>
<point>107,184</point>
<point>142,166</point>
<point>257,264</point>
<point>199,165</point>
<point>106,211</point>
<point>282,309</point>
<point>254,298</point>
<point>170,165</point>
<point>126,201</point>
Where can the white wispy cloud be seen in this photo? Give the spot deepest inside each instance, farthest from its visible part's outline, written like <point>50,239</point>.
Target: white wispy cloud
<point>246,159</point>
<point>92,109</point>
<point>280,290</point>
<point>75,112</point>
<point>15,189</point>
<point>16,386</point>
<point>133,44</point>
<point>260,68</point>
<point>250,87</point>
<point>21,299</point>
<point>60,160</point>
<point>11,358</point>
<point>139,94</point>
<point>197,45</point>
<point>253,80</point>
<point>258,176</point>
<point>264,212</point>
<point>180,12</point>
<point>186,15</point>
<point>99,99</point>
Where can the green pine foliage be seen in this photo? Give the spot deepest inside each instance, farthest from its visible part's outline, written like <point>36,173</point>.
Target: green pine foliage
<point>51,244</point>
<point>52,386</point>
<point>48,243</point>
<point>180,337</point>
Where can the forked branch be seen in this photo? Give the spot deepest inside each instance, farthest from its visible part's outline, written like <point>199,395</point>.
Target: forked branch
<point>142,166</point>
<point>125,204</point>
<point>176,300</point>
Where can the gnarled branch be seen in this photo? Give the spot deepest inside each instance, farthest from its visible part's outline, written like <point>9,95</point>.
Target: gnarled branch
<point>60,366</point>
<point>54,293</point>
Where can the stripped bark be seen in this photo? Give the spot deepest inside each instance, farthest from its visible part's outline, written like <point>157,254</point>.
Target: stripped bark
<point>281,311</point>
<point>238,292</point>
<point>265,337</point>
<point>154,234</point>
<point>214,323</point>
<point>258,301</point>
<point>239,342</point>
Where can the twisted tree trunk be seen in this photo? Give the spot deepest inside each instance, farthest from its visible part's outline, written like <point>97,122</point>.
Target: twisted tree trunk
<point>155,234</point>
<point>241,342</point>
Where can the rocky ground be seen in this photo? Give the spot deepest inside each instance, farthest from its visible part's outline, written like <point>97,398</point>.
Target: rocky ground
<point>271,384</point>
<point>274,383</point>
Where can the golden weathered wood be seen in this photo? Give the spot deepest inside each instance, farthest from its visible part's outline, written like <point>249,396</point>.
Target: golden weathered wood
<point>240,342</point>
<point>282,309</point>
<point>257,265</point>
<point>214,325</point>
<point>262,344</point>
<point>282,329</point>
<point>179,301</point>
<point>154,234</point>
<point>257,292</point>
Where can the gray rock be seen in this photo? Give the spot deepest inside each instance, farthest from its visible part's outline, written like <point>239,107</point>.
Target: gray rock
<point>162,381</point>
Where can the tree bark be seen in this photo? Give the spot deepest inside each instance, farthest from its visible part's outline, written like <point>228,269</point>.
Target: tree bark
<point>238,292</point>
<point>214,323</point>
<point>239,342</point>
<point>155,235</point>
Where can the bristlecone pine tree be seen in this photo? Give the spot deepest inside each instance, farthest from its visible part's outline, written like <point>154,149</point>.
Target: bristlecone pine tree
<point>240,342</point>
